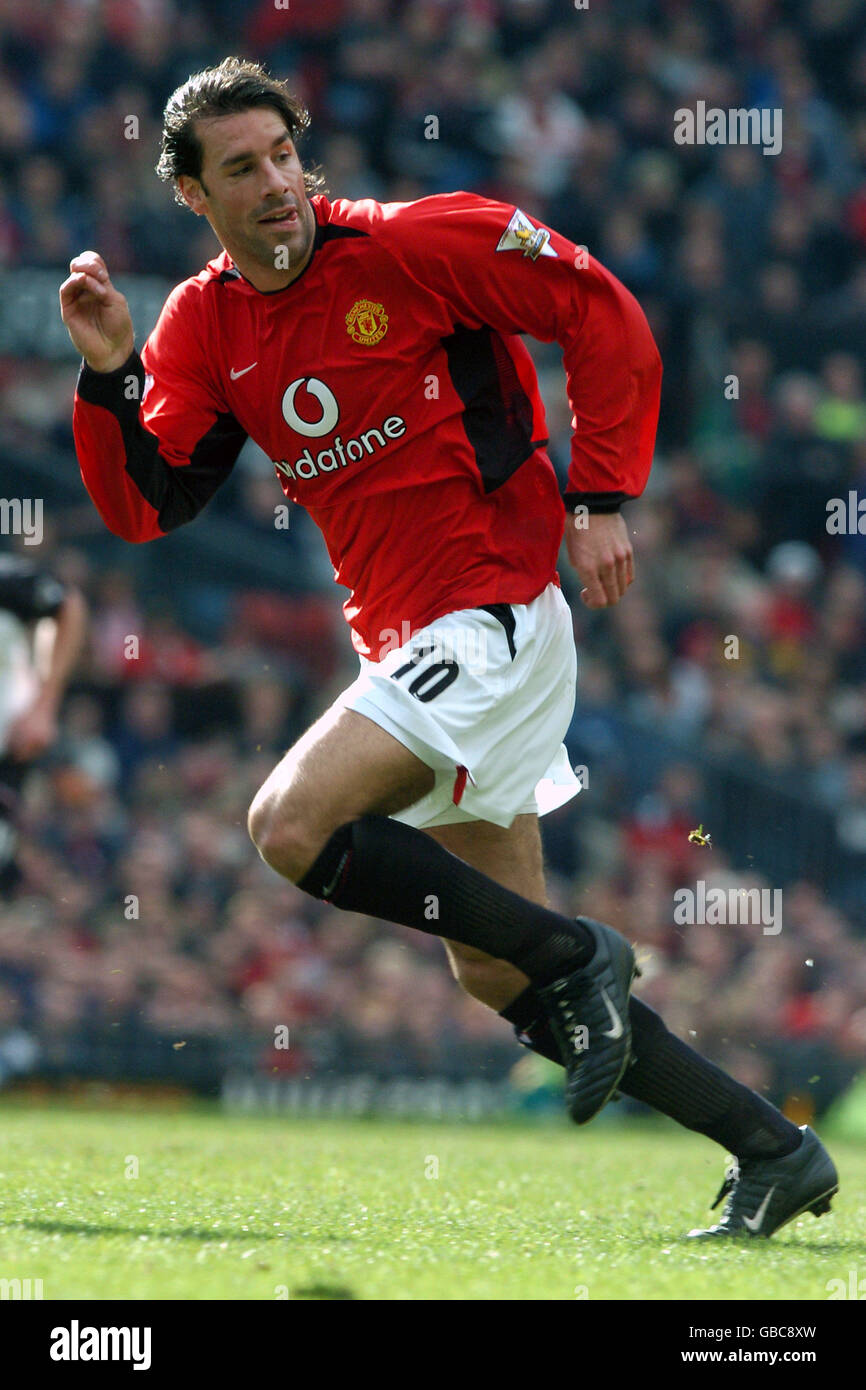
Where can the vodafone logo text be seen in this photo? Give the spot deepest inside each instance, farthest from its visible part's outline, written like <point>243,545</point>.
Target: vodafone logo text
<point>341,453</point>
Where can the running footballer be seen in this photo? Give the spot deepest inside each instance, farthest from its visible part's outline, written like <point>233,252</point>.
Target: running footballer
<point>374,352</point>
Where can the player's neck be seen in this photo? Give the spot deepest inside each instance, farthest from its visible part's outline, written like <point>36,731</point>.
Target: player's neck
<point>265,278</point>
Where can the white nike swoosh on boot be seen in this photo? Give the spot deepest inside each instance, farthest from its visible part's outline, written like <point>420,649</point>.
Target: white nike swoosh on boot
<point>617,1030</point>
<point>754,1222</point>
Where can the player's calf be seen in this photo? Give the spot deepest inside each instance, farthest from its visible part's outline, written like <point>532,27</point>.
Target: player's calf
<point>491,981</point>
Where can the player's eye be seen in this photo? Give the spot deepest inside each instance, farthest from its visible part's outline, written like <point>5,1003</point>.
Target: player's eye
<point>244,169</point>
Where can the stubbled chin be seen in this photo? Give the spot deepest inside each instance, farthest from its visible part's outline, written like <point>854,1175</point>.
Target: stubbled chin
<point>296,242</point>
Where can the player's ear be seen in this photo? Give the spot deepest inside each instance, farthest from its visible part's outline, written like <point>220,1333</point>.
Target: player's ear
<point>192,193</point>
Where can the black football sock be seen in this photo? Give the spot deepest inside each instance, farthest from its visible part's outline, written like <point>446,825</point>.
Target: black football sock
<point>671,1077</point>
<point>386,869</point>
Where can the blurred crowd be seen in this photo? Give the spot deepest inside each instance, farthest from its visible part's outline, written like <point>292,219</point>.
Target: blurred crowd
<point>740,650</point>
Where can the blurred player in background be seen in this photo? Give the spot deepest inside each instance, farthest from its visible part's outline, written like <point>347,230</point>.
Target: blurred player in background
<point>373,351</point>
<point>42,627</point>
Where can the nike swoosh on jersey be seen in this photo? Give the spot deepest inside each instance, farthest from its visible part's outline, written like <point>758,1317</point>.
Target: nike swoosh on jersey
<point>234,375</point>
<point>617,1030</point>
<point>754,1222</point>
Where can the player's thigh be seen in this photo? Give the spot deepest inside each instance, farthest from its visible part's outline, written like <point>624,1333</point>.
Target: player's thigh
<point>343,767</point>
<point>512,857</point>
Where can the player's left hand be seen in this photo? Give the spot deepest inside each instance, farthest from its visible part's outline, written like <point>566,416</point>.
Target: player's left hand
<point>32,732</point>
<point>601,552</point>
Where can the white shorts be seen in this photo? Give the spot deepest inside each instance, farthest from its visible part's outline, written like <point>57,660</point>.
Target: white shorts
<point>485,701</point>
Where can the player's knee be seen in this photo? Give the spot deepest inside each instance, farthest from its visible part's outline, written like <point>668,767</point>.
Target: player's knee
<point>283,837</point>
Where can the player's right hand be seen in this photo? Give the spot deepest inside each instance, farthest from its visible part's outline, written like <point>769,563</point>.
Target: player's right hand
<point>96,315</point>
<point>601,552</point>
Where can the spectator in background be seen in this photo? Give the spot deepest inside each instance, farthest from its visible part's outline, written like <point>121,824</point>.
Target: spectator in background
<point>840,414</point>
<point>540,126</point>
<point>41,636</point>
<point>800,470</point>
<point>145,731</point>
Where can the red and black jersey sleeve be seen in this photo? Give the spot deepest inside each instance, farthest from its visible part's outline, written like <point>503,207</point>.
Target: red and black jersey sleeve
<point>154,439</point>
<point>494,266</point>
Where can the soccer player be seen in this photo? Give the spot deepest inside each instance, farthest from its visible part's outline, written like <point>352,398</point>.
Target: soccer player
<point>34,674</point>
<point>373,351</point>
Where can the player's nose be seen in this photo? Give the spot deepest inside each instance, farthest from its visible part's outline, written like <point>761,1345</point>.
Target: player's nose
<point>274,180</point>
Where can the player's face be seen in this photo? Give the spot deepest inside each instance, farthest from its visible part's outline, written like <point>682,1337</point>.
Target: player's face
<point>252,192</point>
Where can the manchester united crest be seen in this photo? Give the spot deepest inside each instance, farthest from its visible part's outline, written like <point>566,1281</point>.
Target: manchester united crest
<point>366,322</point>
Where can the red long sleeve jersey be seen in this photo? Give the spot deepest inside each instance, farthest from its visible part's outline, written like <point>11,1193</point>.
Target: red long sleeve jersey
<point>390,387</point>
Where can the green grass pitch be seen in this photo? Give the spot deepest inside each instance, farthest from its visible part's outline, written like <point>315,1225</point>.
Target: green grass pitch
<point>266,1208</point>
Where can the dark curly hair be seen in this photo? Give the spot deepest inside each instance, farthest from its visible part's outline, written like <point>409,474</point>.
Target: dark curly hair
<point>233,86</point>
